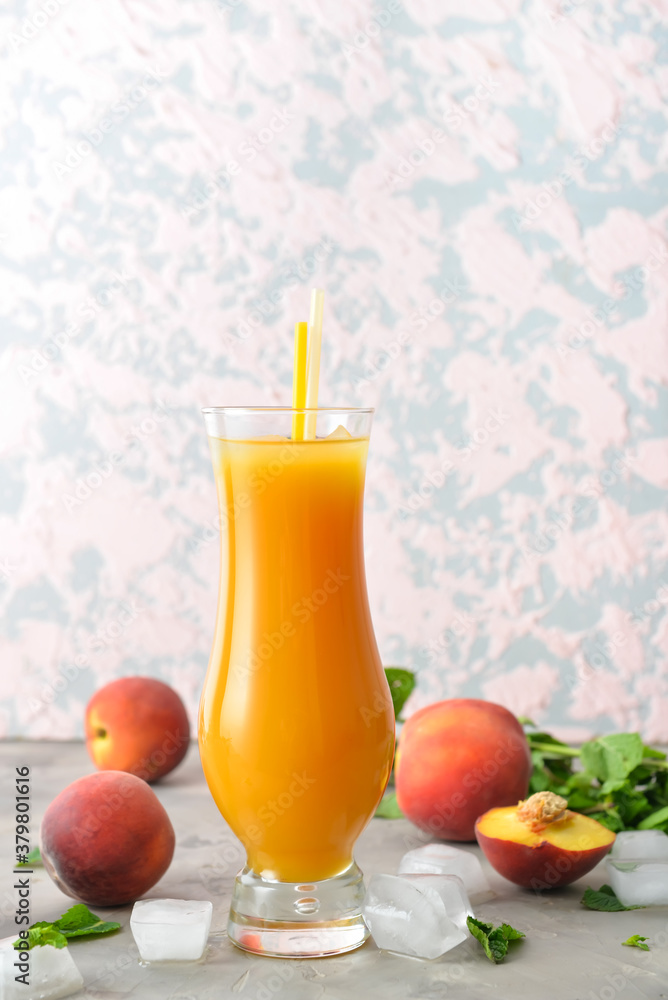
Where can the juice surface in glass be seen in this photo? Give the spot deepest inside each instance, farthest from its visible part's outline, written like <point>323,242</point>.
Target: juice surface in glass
<point>296,719</point>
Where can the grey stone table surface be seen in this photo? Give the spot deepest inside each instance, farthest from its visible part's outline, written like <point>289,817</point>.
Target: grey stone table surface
<point>570,953</point>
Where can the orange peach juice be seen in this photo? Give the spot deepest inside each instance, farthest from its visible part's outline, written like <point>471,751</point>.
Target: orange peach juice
<point>296,720</point>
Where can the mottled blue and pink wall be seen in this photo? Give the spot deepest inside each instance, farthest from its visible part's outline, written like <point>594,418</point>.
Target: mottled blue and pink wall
<point>481,189</point>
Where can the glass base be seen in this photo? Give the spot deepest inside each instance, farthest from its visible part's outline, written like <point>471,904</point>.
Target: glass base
<point>298,920</point>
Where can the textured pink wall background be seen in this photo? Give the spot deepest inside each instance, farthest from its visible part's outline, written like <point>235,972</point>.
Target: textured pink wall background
<point>481,190</point>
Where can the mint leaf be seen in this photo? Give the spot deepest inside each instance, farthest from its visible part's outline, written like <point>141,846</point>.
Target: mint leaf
<point>604,899</point>
<point>401,683</point>
<point>612,758</point>
<point>498,946</point>
<point>608,787</point>
<point>388,807</point>
<point>32,858</point>
<point>654,820</point>
<point>494,940</point>
<point>636,941</point>
<point>40,934</point>
<point>481,932</point>
<point>510,934</point>
<point>78,921</point>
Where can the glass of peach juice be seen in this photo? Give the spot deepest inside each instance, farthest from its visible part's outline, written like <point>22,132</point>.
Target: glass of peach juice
<point>296,725</point>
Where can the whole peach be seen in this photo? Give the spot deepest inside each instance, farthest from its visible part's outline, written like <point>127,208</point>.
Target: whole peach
<point>139,725</point>
<point>106,839</point>
<point>457,759</point>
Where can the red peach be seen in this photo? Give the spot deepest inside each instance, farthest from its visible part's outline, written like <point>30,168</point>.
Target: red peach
<point>457,759</point>
<point>551,856</point>
<point>139,725</point>
<point>106,839</point>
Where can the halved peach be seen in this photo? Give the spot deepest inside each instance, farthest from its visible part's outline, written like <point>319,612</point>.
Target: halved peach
<point>540,844</point>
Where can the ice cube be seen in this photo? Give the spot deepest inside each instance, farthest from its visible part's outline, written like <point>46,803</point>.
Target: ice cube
<point>640,845</point>
<point>171,930</point>
<point>442,859</point>
<point>639,883</point>
<point>418,915</point>
<point>339,434</point>
<point>52,972</point>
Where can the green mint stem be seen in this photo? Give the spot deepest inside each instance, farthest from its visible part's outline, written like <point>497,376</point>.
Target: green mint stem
<point>651,763</point>
<point>554,749</point>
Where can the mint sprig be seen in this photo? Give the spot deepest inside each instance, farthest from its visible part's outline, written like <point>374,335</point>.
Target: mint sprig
<point>622,782</point>
<point>605,899</point>
<point>636,941</point>
<point>78,921</point>
<point>494,940</point>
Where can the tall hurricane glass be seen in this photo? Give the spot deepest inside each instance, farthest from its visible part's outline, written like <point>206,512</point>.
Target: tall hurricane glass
<point>296,725</point>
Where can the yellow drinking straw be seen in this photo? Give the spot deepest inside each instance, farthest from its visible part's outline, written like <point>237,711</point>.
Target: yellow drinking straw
<point>299,381</point>
<point>313,364</point>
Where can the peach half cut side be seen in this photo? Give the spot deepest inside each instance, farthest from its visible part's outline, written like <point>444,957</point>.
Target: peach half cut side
<point>534,849</point>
